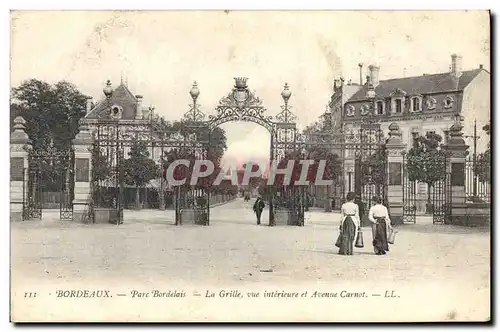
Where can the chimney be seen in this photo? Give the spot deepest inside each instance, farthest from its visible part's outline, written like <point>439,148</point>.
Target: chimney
<point>138,113</point>
<point>456,65</point>
<point>374,75</point>
<point>336,84</point>
<point>480,66</point>
<point>89,105</point>
<point>360,65</point>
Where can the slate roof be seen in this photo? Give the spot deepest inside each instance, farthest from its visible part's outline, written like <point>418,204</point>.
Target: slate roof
<point>424,84</point>
<point>122,97</point>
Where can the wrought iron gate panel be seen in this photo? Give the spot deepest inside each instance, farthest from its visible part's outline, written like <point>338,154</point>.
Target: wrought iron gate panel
<point>33,204</point>
<point>107,187</point>
<point>441,195</point>
<point>67,188</point>
<point>409,196</point>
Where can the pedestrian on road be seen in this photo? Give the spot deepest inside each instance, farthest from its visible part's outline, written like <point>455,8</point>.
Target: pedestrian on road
<point>348,225</point>
<point>381,226</point>
<point>258,207</point>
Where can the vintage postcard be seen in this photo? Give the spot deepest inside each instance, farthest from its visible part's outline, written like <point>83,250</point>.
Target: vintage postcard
<point>239,166</point>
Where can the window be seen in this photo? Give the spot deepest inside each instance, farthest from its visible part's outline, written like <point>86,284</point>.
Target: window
<point>380,107</point>
<point>350,110</point>
<point>431,103</point>
<point>398,106</point>
<point>448,102</point>
<point>446,132</point>
<point>430,133</point>
<point>416,104</point>
<point>414,136</point>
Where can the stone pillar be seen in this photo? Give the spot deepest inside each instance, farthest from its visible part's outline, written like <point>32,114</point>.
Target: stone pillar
<point>19,152</point>
<point>83,170</point>
<point>455,168</point>
<point>395,150</point>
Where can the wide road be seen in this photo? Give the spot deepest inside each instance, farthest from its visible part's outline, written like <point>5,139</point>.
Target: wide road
<point>439,272</point>
<point>238,211</point>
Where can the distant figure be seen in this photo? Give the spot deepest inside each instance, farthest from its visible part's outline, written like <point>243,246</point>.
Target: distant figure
<point>349,224</point>
<point>258,207</point>
<point>381,225</point>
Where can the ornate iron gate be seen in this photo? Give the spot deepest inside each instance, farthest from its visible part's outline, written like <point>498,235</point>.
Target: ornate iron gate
<point>409,196</point>
<point>67,182</point>
<point>33,203</point>
<point>107,169</point>
<point>441,194</point>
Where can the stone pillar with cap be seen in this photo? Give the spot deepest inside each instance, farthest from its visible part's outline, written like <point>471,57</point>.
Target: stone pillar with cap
<point>19,163</point>
<point>456,150</point>
<point>83,169</point>
<point>395,149</point>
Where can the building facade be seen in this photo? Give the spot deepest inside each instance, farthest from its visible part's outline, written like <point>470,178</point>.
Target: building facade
<point>421,104</point>
<point>128,120</point>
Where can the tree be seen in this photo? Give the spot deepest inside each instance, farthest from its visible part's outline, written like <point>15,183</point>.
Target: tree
<point>483,160</point>
<point>374,169</point>
<point>101,169</point>
<point>52,114</point>
<point>426,162</point>
<point>139,169</point>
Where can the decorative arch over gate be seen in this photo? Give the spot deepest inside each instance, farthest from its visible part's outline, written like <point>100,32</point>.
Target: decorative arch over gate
<point>241,104</point>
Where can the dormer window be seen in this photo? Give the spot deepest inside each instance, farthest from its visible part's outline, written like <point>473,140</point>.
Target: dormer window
<point>115,112</point>
<point>365,110</point>
<point>398,106</point>
<point>431,103</point>
<point>448,102</point>
<point>397,101</point>
<point>380,107</point>
<point>350,110</point>
<point>416,104</point>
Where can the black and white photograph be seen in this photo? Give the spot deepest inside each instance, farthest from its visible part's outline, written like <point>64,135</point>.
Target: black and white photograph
<point>250,166</point>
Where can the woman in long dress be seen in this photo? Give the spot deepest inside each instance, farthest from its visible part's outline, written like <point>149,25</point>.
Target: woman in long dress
<point>381,226</point>
<point>349,224</point>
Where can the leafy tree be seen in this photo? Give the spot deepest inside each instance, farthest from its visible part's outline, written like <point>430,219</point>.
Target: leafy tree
<point>52,114</point>
<point>374,169</point>
<point>426,162</point>
<point>139,169</point>
<point>101,169</point>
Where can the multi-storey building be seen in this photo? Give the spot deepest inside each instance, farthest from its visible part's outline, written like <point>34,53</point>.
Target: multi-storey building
<point>121,117</point>
<point>421,104</point>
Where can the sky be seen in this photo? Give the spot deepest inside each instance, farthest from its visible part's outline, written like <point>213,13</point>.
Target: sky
<point>160,54</point>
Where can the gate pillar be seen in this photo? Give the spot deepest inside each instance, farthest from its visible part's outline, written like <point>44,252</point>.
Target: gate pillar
<point>19,147</point>
<point>395,149</point>
<point>83,166</point>
<point>456,211</point>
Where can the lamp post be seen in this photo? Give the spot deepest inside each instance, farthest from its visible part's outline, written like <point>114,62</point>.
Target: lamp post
<point>108,92</point>
<point>475,137</point>
<point>366,147</point>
